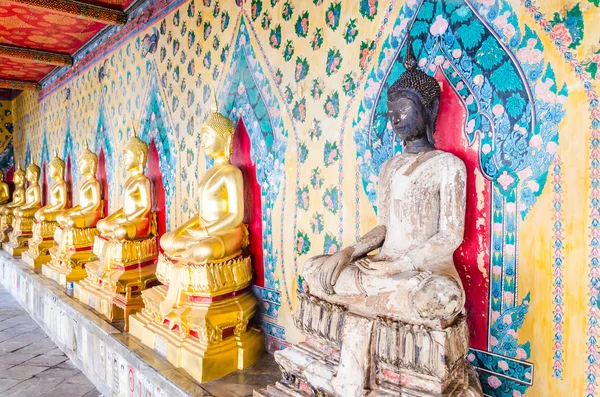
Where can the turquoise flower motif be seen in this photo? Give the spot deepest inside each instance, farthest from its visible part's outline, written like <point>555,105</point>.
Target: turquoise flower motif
<point>303,198</point>
<point>331,199</point>
<point>332,105</point>
<point>275,37</point>
<point>317,40</point>
<point>302,153</point>
<point>288,51</point>
<point>331,153</point>
<point>316,178</point>
<point>315,130</point>
<point>255,9</point>
<point>334,61</point>
<point>302,243</point>
<point>302,24</point>
<point>368,8</point>
<point>299,111</point>
<point>351,31</point>
<point>287,11</point>
<point>331,244</point>
<point>224,20</point>
<point>301,69</point>
<point>332,15</point>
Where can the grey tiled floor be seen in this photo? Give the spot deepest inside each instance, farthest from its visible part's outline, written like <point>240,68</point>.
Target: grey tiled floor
<point>30,363</point>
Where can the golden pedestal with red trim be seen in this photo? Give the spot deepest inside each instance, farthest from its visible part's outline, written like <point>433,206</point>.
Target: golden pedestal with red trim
<point>42,240</point>
<point>207,332</point>
<point>19,237</point>
<point>115,281</point>
<point>72,251</point>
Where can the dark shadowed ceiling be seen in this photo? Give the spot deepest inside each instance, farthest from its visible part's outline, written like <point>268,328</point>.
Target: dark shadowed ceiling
<point>36,36</point>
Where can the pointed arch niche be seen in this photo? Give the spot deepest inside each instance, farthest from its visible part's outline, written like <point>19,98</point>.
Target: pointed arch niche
<point>153,171</point>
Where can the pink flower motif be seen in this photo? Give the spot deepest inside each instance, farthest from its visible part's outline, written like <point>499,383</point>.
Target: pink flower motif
<point>332,250</point>
<point>561,32</point>
<point>517,393</point>
<point>496,270</point>
<point>471,357</point>
<point>536,141</point>
<point>503,365</point>
<point>494,382</point>
<point>505,180</point>
<point>509,296</point>
<point>498,110</point>
<point>439,27</point>
<point>512,332</point>
<point>507,319</point>
<point>521,354</point>
<point>551,147</point>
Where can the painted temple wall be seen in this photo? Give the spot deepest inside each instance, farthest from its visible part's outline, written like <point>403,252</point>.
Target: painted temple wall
<point>6,134</point>
<point>307,78</point>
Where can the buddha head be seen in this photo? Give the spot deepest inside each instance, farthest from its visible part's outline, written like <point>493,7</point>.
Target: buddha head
<point>88,161</point>
<point>33,173</point>
<point>56,167</point>
<point>135,153</point>
<point>414,101</point>
<point>19,176</point>
<point>1,176</point>
<point>217,135</point>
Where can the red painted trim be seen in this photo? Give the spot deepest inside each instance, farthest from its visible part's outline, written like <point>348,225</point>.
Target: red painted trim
<point>135,266</point>
<point>472,258</point>
<point>210,299</point>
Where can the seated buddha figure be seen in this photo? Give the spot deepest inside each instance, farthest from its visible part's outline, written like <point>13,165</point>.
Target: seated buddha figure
<point>45,218</point>
<point>401,274</point>
<point>133,220</point>
<point>23,215</point>
<point>18,198</point>
<point>4,190</point>
<point>89,210</point>
<point>126,246</point>
<point>206,273</point>
<point>74,236</point>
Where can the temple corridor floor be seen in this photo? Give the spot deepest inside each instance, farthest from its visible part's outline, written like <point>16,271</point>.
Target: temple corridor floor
<point>30,363</point>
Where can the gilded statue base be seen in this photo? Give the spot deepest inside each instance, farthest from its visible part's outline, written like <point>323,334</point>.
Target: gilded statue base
<point>39,244</point>
<point>5,227</point>
<point>71,255</point>
<point>402,360</point>
<point>114,283</point>
<point>207,332</point>
<point>18,238</point>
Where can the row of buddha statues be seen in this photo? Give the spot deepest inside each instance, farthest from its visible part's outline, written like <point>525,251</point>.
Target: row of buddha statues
<point>382,317</point>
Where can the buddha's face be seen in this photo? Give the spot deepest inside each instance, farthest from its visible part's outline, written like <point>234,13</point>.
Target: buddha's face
<point>212,143</point>
<point>130,160</point>
<point>54,172</point>
<point>31,176</point>
<point>84,167</point>
<point>407,118</point>
<point>18,179</point>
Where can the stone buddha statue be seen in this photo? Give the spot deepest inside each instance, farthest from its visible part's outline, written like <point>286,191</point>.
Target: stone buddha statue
<point>392,304</point>
<point>23,215</point>
<point>4,190</point>
<point>45,218</point>
<point>74,236</point>
<point>133,220</point>
<point>88,212</point>
<point>126,246</point>
<point>18,199</point>
<point>208,274</point>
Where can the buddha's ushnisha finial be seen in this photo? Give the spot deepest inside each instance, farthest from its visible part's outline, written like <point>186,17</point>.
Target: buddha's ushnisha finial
<point>133,128</point>
<point>410,61</point>
<point>55,152</point>
<point>215,106</point>
<point>85,144</point>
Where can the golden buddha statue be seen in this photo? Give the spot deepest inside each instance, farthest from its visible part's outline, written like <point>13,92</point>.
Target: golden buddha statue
<point>126,247</point>
<point>23,215</point>
<point>199,318</point>
<point>76,230</point>
<point>4,190</point>
<point>6,210</point>
<point>44,223</point>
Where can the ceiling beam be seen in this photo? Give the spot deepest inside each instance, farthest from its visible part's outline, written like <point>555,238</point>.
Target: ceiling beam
<point>19,85</point>
<point>79,9</point>
<point>28,54</point>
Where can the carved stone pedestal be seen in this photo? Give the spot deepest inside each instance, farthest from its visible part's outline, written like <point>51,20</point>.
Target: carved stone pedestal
<point>208,332</point>
<point>39,244</point>
<point>5,227</point>
<point>115,281</point>
<point>400,360</point>
<point>70,255</point>
<point>19,237</point>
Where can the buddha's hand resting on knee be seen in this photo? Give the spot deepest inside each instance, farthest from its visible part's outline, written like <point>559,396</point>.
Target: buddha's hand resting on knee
<point>332,267</point>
